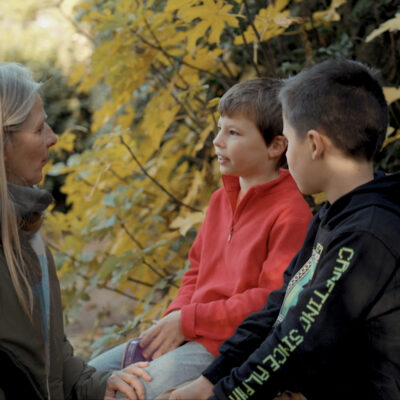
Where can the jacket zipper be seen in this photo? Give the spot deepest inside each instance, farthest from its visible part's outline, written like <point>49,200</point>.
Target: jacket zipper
<point>48,387</point>
<point>230,233</point>
<point>234,214</point>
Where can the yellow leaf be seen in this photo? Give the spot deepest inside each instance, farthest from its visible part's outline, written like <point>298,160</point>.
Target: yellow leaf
<point>391,25</point>
<point>203,136</point>
<point>391,94</point>
<point>391,138</point>
<point>126,7</point>
<point>85,6</point>
<point>319,198</point>
<point>204,58</point>
<point>213,16</point>
<point>213,102</point>
<point>196,185</point>
<point>269,22</point>
<point>102,115</point>
<point>185,223</point>
<point>174,5</point>
<point>65,142</point>
<point>284,21</point>
<point>164,106</point>
<point>127,117</point>
<point>45,170</point>
<point>77,73</point>
<point>197,32</point>
<point>326,16</point>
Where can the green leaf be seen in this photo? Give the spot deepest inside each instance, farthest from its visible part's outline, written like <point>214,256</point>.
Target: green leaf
<point>108,267</point>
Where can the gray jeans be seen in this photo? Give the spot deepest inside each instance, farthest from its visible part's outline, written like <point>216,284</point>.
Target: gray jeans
<point>180,365</point>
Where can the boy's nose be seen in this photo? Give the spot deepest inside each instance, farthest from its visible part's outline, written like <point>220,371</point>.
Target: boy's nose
<point>218,142</point>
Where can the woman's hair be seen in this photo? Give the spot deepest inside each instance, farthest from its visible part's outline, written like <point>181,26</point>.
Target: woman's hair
<point>18,93</point>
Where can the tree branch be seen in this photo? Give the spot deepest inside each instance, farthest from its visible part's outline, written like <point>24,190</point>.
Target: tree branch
<point>136,241</point>
<point>172,58</point>
<point>186,107</point>
<point>251,23</point>
<point>98,285</point>
<point>176,200</point>
<point>79,29</point>
<point>246,46</point>
<point>139,282</point>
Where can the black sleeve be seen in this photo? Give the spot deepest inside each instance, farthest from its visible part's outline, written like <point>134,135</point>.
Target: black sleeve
<point>349,279</point>
<point>80,380</point>
<point>15,383</point>
<point>249,335</point>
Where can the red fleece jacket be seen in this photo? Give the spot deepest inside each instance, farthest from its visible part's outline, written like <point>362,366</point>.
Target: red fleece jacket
<point>239,256</point>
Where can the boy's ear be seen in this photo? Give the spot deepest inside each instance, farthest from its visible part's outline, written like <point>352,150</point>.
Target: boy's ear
<point>277,147</point>
<point>316,142</point>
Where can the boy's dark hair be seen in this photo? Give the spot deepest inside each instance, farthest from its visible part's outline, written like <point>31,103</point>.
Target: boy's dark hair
<point>344,100</point>
<point>257,99</point>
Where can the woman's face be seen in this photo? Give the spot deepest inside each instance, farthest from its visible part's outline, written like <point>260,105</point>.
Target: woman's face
<point>26,152</point>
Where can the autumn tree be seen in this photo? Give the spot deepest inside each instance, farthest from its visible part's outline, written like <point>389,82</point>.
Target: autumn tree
<point>138,193</point>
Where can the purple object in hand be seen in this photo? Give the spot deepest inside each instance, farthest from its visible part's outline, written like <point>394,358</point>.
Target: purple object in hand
<point>133,353</point>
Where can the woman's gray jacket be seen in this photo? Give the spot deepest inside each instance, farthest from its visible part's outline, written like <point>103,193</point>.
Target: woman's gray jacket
<point>22,343</point>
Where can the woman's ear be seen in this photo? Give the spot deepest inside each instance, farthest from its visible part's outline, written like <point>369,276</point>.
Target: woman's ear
<point>316,143</point>
<point>277,147</point>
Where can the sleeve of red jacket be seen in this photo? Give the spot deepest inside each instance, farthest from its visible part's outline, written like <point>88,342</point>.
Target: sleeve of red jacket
<point>285,239</point>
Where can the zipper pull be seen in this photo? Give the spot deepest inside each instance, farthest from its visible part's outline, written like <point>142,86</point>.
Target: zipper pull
<point>230,234</point>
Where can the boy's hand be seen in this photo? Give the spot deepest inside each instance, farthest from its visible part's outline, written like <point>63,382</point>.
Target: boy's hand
<point>199,389</point>
<point>164,336</point>
<point>126,381</point>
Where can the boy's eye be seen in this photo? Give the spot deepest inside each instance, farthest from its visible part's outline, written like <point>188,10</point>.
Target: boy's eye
<point>234,133</point>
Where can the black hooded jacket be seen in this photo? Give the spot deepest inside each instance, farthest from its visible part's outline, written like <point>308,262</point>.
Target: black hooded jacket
<point>333,330</point>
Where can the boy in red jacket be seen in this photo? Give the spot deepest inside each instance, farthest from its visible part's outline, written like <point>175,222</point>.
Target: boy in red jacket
<point>253,227</point>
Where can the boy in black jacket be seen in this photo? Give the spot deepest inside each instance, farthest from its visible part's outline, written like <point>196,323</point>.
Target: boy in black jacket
<point>333,330</point>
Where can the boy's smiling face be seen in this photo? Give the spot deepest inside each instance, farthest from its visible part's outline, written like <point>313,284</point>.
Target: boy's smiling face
<point>241,149</point>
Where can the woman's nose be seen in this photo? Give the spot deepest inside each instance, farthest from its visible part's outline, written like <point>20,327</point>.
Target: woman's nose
<point>51,136</point>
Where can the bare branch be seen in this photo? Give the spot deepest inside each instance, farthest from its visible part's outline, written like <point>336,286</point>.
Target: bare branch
<point>78,28</point>
<point>172,58</point>
<point>176,200</point>
<point>259,39</point>
<point>140,282</point>
<point>123,293</point>
<point>131,236</point>
<point>246,46</point>
<point>98,285</point>
<point>186,106</point>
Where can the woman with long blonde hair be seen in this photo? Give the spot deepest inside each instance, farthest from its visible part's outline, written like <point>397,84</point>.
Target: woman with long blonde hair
<point>36,359</point>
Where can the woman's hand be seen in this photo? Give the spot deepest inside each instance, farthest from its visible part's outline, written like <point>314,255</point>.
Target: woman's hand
<point>127,382</point>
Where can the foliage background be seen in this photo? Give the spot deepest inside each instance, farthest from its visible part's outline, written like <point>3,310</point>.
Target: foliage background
<point>135,88</point>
